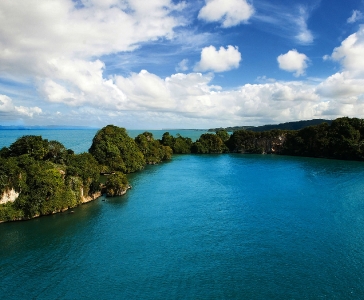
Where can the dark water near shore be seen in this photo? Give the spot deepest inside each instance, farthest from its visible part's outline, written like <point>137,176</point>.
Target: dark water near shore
<point>201,227</point>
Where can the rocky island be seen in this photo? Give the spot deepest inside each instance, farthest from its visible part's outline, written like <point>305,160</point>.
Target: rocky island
<point>40,177</point>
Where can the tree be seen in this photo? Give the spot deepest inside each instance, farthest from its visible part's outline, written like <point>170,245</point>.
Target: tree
<point>56,152</point>
<point>113,148</point>
<point>209,143</point>
<point>85,166</point>
<point>152,150</point>
<point>223,135</point>
<point>32,145</point>
<point>116,184</point>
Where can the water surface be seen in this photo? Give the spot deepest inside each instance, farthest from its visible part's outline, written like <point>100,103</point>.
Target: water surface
<point>201,227</point>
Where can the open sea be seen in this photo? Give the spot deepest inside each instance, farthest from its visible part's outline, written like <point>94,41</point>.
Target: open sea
<point>226,226</point>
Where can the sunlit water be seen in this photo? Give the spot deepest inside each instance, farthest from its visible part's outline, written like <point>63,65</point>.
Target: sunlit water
<point>201,227</point>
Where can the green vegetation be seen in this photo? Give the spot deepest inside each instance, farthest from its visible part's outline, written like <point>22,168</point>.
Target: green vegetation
<point>282,126</point>
<point>116,184</point>
<point>209,143</point>
<point>116,151</point>
<point>343,139</point>
<point>179,144</point>
<point>43,177</point>
<point>154,152</point>
<point>48,178</point>
<point>246,141</point>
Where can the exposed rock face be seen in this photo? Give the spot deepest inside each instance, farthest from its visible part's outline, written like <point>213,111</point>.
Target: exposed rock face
<point>271,145</point>
<point>9,196</point>
<point>90,198</point>
<point>262,145</point>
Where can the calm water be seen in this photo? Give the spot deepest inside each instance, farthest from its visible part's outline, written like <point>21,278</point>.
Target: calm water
<point>201,227</point>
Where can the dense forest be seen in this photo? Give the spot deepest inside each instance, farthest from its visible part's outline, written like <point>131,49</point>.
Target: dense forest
<point>41,177</point>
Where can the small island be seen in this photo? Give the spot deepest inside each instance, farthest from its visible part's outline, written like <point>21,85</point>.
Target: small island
<point>40,177</point>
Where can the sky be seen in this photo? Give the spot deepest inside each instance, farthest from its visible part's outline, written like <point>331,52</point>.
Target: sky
<point>165,64</point>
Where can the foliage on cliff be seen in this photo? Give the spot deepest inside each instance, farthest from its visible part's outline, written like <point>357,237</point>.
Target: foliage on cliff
<point>116,151</point>
<point>116,184</point>
<point>47,177</point>
<point>343,139</point>
<point>153,151</point>
<point>179,144</point>
<point>209,143</point>
<point>245,141</point>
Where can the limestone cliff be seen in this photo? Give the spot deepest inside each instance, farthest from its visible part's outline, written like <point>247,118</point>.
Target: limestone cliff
<point>260,144</point>
<point>9,196</point>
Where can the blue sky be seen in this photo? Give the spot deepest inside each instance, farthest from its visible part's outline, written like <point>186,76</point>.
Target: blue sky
<point>180,64</point>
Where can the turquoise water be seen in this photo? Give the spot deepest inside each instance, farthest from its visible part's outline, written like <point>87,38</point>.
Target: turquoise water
<point>201,227</point>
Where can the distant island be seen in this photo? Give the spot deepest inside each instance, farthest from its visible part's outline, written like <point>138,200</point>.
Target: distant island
<point>297,125</point>
<point>40,177</point>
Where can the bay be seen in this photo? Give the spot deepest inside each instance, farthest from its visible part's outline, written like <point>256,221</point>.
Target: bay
<point>201,227</point>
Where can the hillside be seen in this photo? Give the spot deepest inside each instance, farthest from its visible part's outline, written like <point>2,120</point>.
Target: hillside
<point>282,126</point>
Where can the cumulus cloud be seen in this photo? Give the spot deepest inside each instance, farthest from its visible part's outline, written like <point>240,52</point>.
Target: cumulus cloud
<point>7,108</point>
<point>351,53</point>
<point>356,16</point>
<point>36,31</point>
<point>192,96</point>
<point>347,86</point>
<point>228,12</point>
<point>293,61</point>
<point>219,60</point>
<point>78,82</point>
<point>341,86</point>
<point>61,46</point>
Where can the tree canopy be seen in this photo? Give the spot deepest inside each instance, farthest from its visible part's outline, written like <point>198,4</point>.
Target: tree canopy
<point>116,151</point>
<point>48,177</point>
<point>153,151</point>
<point>116,184</point>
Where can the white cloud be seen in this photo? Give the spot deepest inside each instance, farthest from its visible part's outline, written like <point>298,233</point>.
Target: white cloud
<point>192,96</point>
<point>79,82</point>
<point>7,108</point>
<point>62,47</point>
<point>351,53</point>
<point>341,86</point>
<point>37,31</point>
<point>356,16</point>
<point>219,60</point>
<point>304,35</point>
<point>287,21</point>
<point>228,12</point>
<point>345,89</point>
<point>190,100</point>
<point>58,45</point>
<point>293,61</point>
<point>347,86</point>
<point>182,65</point>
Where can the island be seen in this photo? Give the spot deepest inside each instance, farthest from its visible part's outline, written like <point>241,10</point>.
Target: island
<point>40,177</point>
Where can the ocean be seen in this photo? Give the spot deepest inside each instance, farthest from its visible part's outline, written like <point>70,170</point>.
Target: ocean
<point>226,226</point>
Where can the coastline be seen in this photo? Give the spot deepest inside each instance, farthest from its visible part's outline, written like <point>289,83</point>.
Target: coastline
<point>84,200</point>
